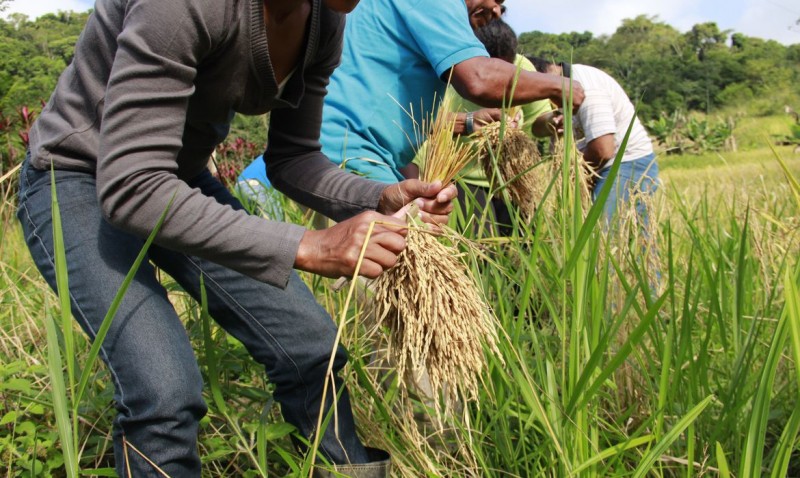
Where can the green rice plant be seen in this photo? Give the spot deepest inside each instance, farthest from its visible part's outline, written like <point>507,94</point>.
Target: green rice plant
<point>787,444</point>
<point>751,464</point>
<point>722,462</point>
<point>67,396</point>
<point>597,374</point>
<point>61,394</point>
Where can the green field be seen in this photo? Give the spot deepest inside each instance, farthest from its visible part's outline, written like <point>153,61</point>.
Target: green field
<point>615,359</point>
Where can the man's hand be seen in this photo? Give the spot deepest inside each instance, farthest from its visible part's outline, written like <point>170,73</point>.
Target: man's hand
<point>485,116</point>
<point>334,252</point>
<point>577,93</point>
<point>435,202</point>
<point>549,124</point>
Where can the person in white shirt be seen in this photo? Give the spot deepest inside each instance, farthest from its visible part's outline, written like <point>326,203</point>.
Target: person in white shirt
<point>600,125</point>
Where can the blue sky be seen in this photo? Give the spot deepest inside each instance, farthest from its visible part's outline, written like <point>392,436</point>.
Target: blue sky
<point>773,19</point>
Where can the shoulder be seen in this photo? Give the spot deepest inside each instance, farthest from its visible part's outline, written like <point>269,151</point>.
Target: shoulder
<point>164,22</point>
<point>331,23</point>
<point>592,73</point>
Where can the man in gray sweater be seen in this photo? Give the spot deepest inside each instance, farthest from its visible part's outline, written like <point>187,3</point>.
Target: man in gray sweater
<point>151,91</point>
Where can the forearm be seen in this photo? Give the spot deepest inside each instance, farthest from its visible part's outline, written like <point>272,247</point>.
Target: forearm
<point>489,82</point>
<point>312,180</point>
<point>599,151</point>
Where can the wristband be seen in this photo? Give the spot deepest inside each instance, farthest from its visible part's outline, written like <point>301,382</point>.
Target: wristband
<point>469,123</point>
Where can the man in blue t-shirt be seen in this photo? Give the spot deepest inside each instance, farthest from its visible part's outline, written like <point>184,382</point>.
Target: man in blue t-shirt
<point>398,57</point>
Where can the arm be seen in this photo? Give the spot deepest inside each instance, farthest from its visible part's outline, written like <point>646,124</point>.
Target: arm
<point>294,159</point>
<point>599,151</point>
<point>488,81</point>
<point>147,96</point>
<point>596,118</point>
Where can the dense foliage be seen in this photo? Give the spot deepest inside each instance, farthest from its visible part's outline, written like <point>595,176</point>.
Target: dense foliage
<point>34,54</point>
<point>704,69</point>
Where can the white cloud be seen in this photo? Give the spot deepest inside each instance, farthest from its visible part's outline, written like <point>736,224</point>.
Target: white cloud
<point>37,8</point>
<point>771,20</point>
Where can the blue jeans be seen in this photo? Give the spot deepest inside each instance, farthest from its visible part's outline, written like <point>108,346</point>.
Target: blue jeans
<point>638,175</point>
<point>158,386</point>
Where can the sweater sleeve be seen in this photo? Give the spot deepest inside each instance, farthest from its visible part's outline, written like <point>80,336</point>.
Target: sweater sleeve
<point>295,163</point>
<point>157,54</point>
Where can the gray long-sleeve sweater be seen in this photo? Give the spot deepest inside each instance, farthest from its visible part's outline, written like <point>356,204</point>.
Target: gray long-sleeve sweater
<point>151,91</point>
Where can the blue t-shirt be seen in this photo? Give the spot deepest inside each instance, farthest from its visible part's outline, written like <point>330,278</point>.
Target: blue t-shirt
<point>395,52</point>
<point>255,171</point>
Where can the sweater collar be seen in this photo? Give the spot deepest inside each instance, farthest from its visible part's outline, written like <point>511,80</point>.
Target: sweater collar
<point>259,49</point>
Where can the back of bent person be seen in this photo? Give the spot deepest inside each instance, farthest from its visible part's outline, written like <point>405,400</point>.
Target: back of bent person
<point>151,91</point>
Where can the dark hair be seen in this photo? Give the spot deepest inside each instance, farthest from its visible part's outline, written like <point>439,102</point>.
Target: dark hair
<point>499,39</point>
<point>540,64</point>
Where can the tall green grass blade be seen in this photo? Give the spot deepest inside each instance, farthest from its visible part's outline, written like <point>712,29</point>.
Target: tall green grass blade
<point>614,450</point>
<point>645,466</point>
<point>62,393</point>
<point>757,430</point>
<point>793,318</point>
<point>60,406</point>
<point>112,310</point>
<point>722,462</point>
<point>741,277</point>
<point>210,352</point>
<point>62,283</point>
<point>599,205</point>
<point>669,342</point>
<point>786,446</point>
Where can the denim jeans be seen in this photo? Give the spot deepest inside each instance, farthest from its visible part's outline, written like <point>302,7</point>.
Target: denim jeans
<point>158,386</point>
<point>638,175</point>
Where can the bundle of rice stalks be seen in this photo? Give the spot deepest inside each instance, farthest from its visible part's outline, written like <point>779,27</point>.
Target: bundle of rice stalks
<point>438,319</point>
<point>508,157</point>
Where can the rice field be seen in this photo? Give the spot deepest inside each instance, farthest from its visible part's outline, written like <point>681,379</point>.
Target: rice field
<point>659,353</point>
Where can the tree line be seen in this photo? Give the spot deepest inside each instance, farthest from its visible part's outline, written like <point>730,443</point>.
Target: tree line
<point>705,69</point>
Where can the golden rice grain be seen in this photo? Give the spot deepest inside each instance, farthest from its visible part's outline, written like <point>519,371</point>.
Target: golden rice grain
<point>438,320</point>
<point>512,160</point>
<point>433,307</point>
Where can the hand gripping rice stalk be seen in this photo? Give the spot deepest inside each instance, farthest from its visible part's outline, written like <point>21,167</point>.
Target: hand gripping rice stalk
<point>438,319</point>
<point>509,157</point>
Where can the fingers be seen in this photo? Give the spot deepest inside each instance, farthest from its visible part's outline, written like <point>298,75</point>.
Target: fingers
<point>384,246</point>
<point>447,194</point>
<point>383,251</point>
<point>336,251</point>
<point>435,201</point>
